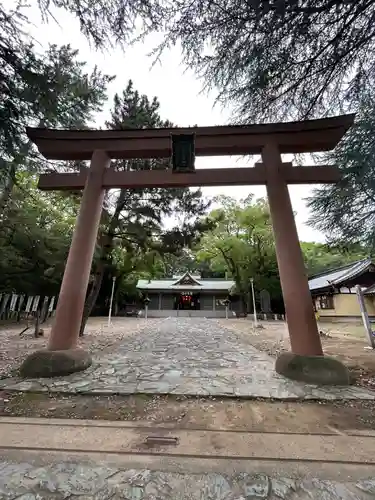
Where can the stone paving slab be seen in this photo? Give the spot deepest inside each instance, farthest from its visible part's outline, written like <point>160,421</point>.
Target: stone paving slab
<point>80,481</point>
<point>185,356</point>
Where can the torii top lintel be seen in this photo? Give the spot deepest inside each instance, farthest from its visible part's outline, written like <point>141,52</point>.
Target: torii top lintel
<point>292,137</point>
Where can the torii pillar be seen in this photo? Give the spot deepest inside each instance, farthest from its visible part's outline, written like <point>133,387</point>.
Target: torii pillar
<point>305,362</point>
<point>303,330</point>
<point>62,355</point>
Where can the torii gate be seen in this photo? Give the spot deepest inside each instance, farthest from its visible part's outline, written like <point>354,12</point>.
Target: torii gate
<point>100,146</point>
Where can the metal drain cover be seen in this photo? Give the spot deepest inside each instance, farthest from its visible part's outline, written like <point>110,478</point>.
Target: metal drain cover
<point>161,440</point>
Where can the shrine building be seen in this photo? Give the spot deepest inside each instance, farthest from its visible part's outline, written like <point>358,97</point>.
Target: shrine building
<point>187,295</point>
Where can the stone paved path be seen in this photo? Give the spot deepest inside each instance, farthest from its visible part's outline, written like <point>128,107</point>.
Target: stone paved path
<point>23,481</point>
<point>190,357</point>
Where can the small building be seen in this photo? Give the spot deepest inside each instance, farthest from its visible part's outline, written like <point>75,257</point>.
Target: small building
<point>334,294</point>
<point>188,295</point>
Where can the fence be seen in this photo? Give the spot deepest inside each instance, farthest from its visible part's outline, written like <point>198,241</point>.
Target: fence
<point>18,306</point>
<point>263,316</point>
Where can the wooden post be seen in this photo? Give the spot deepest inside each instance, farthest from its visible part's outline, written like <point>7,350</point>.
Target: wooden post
<point>365,318</point>
<point>254,304</point>
<point>111,301</point>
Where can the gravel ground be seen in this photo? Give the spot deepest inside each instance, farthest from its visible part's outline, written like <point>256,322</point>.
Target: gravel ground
<point>197,413</point>
<point>341,341</point>
<point>98,337</point>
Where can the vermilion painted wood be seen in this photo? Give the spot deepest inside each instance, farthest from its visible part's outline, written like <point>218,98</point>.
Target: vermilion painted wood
<point>291,137</point>
<point>201,177</point>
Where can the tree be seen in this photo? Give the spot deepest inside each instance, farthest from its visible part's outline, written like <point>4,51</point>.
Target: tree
<point>345,211</point>
<point>106,23</point>
<point>35,233</point>
<point>37,88</point>
<point>321,257</point>
<point>271,59</point>
<point>133,219</point>
<point>47,89</point>
<point>180,262</point>
<point>242,244</point>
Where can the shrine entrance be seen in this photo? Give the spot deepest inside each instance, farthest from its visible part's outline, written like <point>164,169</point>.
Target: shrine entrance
<point>187,301</point>
<point>269,141</point>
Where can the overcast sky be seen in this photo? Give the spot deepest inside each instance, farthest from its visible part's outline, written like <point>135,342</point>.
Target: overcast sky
<point>177,89</point>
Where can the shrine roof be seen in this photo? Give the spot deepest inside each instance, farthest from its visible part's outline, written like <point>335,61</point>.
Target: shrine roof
<point>171,285</point>
<point>187,280</point>
<point>291,137</point>
<point>340,276</point>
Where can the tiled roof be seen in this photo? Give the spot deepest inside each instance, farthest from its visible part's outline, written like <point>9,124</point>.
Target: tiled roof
<point>340,275</point>
<point>169,284</point>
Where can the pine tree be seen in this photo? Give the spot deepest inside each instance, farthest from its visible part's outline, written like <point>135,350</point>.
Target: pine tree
<point>133,218</point>
<point>345,212</point>
<point>51,90</point>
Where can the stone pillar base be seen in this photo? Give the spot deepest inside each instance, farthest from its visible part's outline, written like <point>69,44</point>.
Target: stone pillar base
<point>48,364</point>
<point>321,370</point>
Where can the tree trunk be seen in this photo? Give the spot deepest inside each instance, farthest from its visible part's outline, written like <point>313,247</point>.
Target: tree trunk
<point>36,329</point>
<point>92,297</point>
<point>244,304</point>
<point>44,312</point>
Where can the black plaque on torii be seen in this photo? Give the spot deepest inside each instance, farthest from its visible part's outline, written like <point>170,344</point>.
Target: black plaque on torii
<point>183,153</point>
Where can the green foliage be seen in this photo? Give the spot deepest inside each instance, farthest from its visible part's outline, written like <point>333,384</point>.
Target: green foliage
<point>133,239</point>
<point>271,59</point>
<point>35,234</point>
<point>345,212</point>
<point>109,22</point>
<point>174,264</point>
<point>140,212</point>
<point>50,88</point>
<point>277,59</point>
<point>242,244</point>
<point>320,257</point>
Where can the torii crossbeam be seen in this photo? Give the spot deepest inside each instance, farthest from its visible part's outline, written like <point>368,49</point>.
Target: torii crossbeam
<point>100,146</point>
